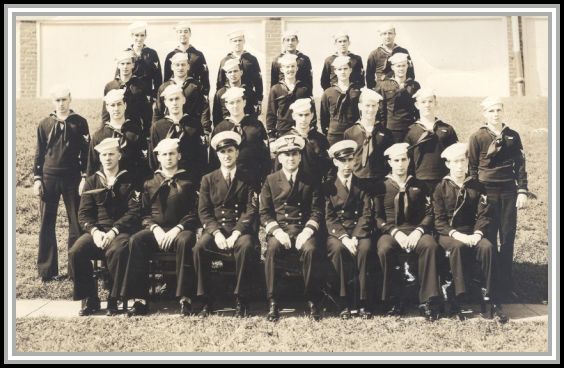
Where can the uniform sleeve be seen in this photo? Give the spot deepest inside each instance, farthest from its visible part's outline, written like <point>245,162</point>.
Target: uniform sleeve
<point>146,219</point>
<point>247,219</point>
<point>364,225</point>
<point>40,150</point>
<point>520,167</point>
<point>158,110</point>
<point>221,77</point>
<point>263,156</point>
<point>326,75</point>
<point>334,226</point>
<point>359,73</point>
<point>93,161</point>
<point>204,110</point>
<point>274,73</point>
<point>190,220</point>
<point>380,213</point>
<point>257,80</point>
<point>484,215</point>
<point>271,114</point>
<point>205,208</point>
<point>266,210</point>
<point>217,113</point>
<point>308,73</point>
<point>324,114</point>
<point>87,210</point>
<point>157,75</point>
<point>473,156</point>
<point>153,141</point>
<point>371,70</point>
<point>130,220</point>
<point>317,214</point>
<point>205,76</point>
<point>382,114</point>
<point>428,220</point>
<point>84,147</point>
<point>441,213</point>
<point>167,67</point>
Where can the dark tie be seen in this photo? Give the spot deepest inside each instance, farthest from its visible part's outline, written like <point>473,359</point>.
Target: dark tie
<point>228,179</point>
<point>291,182</point>
<point>346,183</point>
<point>400,207</point>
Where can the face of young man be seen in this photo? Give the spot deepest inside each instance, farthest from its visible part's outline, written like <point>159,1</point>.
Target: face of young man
<point>110,159</point>
<point>343,73</point>
<point>388,37</point>
<point>175,103</point>
<point>494,114</point>
<point>458,167</point>
<point>342,44</point>
<point>228,157</point>
<point>237,44</point>
<point>400,69</point>
<point>368,109</point>
<point>116,109</point>
<point>289,70</point>
<point>290,43</point>
<point>235,106</point>
<point>138,38</point>
<point>183,36</point>
<point>399,164</point>
<point>180,69</point>
<point>302,119</point>
<point>345,166</point>
<point>62,104</point>
<point>234,75</point>
<point>169,159</point>
<point>426,106</point>
<point>125,67</point>
<point>290,160</point>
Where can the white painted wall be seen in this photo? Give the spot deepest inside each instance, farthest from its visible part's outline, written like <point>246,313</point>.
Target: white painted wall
<point>535,53</point>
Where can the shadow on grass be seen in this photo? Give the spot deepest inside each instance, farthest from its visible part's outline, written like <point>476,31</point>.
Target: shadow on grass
<point>531,282</point>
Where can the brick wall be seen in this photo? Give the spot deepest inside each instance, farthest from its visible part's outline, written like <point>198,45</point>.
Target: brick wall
<point>273,41</point>
<point>27,62</point>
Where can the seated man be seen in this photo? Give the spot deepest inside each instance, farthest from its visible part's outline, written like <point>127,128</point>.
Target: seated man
<point>170,221</point>
<point>109,211</point>
<point>462,216</point>
<point>291,210</point>
<point>404,216</point>
<point>348,214</point>
<point>228,209</point>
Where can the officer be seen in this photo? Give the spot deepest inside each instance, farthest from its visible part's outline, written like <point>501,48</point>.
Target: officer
<point>109,211</point>
<point>304,73</point>
<point>169,218</point>
<point>462,216</point>
<point>60,161</point>
<point>404,216</point>
<point>252,77</point>
<point>291,210</point>
<point>228,211</point>
<point>328,75</point>
<point>198,66</point>
<point>349,218</point>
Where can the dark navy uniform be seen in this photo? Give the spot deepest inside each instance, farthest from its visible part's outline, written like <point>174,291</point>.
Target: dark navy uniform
<point>338,111</point>
<point>397,110</point>
<point>221,113</point>
<point>304,73</point>
<point>329,78</point>
<point>198,67</point>
<point>378,67</point>
<point>147,67</point>
<point>407,209</point>
<point>227,207</point>
<point>61,158</point>
<point>167,203</point>
<point>251,73</point>
<point>279,116</point>
<point>466,210</point>
<point>105,207</point>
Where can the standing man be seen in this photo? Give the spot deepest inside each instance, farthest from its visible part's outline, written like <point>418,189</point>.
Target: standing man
<point>252,77</point>
<point>397,110</point>
<point>291,210</point>
<point>147,66</point>
<point>328,75</point>
<point>349,218</point>
<point>377,66</point>
<point>427,139</point>
<point>404,216</point>
<point>497,160</point>
<point>234,74</point>
<point>373,139</point>
<point>60,161</point>
<point>290,43</point>
<point>109,211</point>
<point>228,211</point>
<point>253,162</point>
<point>282,95</point>
<point>198,66</point>
<point>169,218</point>
<point>138,108</point>
<point>339,103</point>
<point>462,217</point>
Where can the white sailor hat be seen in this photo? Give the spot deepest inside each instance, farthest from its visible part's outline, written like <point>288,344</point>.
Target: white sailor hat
<point>172,89</point>
<point>225,139</point>
<point>60,90</point>
<point>288,59</point>
<point>397,58</point>
<point>231,64</point>
<point>340,34</point>
<point>289,34</point>
<point>302,104</point>
<point>114,95</point>
<point>182,25</point>
<point>287,143</point>
<point>396,150</point>
<point>343,149</point>
<point>179,57</point>
<point>167,144</point>
<point>340,61</point>
<point>124,55</point>
<point>107,144</point>
<point>424,93</point>
<point>386,27</point>
<point>233,93</point>
<point>367,94</point>
<point>490,101</point>
<point>455,150</point>
<point>236,33</point>
<point>137,27</point>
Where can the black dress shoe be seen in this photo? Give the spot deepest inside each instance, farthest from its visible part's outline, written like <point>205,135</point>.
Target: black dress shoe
<point>430,310</point>
<point>241,309</point>
<point>345,313</point>
<point>364,313</point>
<point>206,311</point>
<point>89,307</point>
<point>185,307</point>
<point>138,309</point>
<point>112,307</point>
<point>52,278</point>
<point>314,311</point>
<point>396,310</point>
<point>273,312</point>
<point>496,313</point>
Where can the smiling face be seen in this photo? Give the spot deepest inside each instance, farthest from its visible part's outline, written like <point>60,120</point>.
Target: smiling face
<point>138,38</point>
<point>388,37</point>
<point>62,104</point>
<point>399,164</point>
<point>116,109</point>
<point>290,161</point>
<point>427,106</point>
<point>169,158</point>
<point>234,75</point>
<point>109,159</point>
<point>235,106</point>
<point>183,36</point>
<point>458,167</point>
<point>175,103</point>
<point>289,70</point>
<point>494,114</point>
<point>368,109</point>
<point>290,43</point>
<point>180,69</point>
<point>228,156</point>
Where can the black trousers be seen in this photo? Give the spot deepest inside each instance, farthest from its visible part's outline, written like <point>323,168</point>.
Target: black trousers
<point>426,251</point>
<point>462,259</point>
<point>245,253</point>
<point>142,245</point>
<point>348,274</point>
<point>503,199</point>
<point>311,258</point>
<point>80,266</point>
<point>53,188</point>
